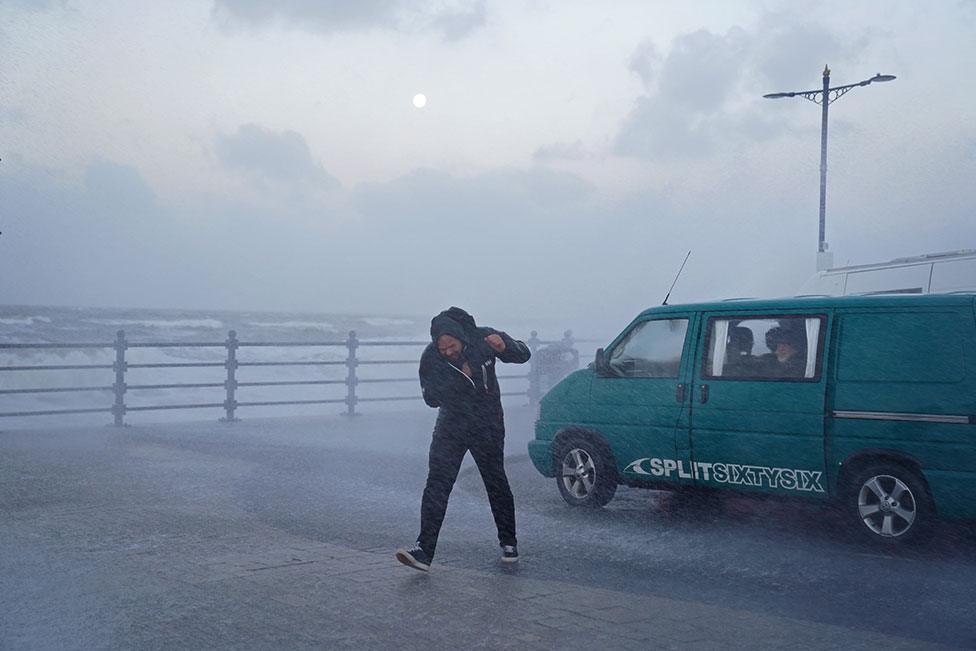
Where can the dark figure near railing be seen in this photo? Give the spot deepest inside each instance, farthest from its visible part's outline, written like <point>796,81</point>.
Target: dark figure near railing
<point>457,376</point>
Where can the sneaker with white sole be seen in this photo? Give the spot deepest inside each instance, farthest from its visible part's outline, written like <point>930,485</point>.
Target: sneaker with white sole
<point>414,557</point>
<point>510,554</point>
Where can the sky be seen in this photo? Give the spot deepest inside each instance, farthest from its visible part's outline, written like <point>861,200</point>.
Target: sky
<point>238,154</point>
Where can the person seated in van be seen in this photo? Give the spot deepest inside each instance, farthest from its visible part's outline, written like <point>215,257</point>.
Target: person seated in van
<point>787,357</point>
<point>738,352</point>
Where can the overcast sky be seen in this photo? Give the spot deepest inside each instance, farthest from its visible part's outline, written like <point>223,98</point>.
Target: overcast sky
<point>267,155</point>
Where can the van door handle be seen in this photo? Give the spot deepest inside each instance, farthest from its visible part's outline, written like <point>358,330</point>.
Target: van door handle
<point>679,395</point>
<point>704,393</point>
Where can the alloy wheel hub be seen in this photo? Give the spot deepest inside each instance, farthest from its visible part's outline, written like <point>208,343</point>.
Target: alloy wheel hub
<point>887,504</point>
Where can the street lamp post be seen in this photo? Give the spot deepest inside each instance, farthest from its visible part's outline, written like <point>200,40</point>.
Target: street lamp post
<point>826,96</point>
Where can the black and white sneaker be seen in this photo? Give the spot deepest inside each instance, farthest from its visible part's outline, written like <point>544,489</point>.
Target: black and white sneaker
<point>414,557</point>
<point>509,554</point>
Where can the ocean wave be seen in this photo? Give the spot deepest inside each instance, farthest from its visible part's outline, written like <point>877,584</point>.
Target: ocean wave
<point>304,325</point>
<point>381,321</point>
<point>27,320</point>
<point>212,324</point>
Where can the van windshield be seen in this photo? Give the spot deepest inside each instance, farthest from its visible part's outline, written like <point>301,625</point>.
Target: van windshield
<point>651,349</point>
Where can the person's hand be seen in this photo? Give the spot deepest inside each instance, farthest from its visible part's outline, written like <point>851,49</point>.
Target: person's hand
<point>496,342</point>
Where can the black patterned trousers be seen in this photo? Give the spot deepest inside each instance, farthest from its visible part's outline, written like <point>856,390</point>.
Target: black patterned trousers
<point>446,453</point>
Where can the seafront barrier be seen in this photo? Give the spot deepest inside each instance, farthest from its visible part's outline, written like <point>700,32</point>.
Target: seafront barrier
<point>551,360</point>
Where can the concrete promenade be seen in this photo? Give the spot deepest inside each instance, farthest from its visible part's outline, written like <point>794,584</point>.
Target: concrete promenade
<point>157,536</point>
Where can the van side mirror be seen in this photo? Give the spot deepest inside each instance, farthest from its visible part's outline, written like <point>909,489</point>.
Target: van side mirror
<point>602,364</point>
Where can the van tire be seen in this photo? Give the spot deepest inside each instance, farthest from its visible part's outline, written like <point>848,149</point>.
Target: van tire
<point>585,472</point>
<point>890,504</point>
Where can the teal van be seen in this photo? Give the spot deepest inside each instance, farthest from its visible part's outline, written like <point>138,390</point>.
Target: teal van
<point>869,401</point>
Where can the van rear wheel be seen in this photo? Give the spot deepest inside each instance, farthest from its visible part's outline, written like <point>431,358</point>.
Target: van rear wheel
<point>891,503</point>
<point>586,476</point>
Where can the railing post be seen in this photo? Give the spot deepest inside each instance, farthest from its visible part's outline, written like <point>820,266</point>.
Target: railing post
<point>535,386</point>
<point>120,367</point>
<point>230,384</point>
<point>351,381</point>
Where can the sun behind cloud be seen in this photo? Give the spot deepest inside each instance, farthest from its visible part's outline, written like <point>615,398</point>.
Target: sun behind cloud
<point>420,100</point>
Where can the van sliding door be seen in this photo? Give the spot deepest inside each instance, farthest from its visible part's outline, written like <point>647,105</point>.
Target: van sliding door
<point>758,403</point>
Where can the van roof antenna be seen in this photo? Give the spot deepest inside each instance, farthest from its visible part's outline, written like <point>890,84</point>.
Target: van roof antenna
<point>676,278</point>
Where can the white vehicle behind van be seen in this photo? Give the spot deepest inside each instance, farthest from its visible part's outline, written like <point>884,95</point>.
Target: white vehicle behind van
<point>952,271</point>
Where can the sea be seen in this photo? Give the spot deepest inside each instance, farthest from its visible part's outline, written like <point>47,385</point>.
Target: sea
<point>390,347</point>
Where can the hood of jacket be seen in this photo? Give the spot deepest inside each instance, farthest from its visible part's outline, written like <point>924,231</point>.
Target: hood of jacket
<point>455,322</point>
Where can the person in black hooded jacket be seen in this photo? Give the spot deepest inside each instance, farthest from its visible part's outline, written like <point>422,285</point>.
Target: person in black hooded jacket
<point>457,376</point>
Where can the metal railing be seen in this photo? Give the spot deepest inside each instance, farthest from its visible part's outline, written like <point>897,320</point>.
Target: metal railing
<point>536,376</point>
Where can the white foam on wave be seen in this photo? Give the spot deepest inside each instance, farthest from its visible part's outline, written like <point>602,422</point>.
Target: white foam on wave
<point>303,325</point>
<point>29,320</point>
<point>381,321</point>
<point>162,323</point>
<point>399,339</point>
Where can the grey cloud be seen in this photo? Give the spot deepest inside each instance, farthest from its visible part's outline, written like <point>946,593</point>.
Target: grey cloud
<point>35,5</point>
<point>702,69</point>
<point>454,22</point>
<point>12,116</point>
<point>459,23</point>
<point>645,61</point>
<point>313,15</point>
<point>102,242</point>
<point>119,187</point>
<point>421,240</point>
<point>789,52</point>
<point>560,151</point>
<point>471,238</point>
<point>678,115</point>
<point>111,240</point>
<point>430,197</point>
<point>282,157</point>
<point>656,128</point>
<point>756,126</point>
<point>968,10</point>
<point>513,241</point>
<point>659,129</point>
<point>548,234</point>
<point>694,99</point>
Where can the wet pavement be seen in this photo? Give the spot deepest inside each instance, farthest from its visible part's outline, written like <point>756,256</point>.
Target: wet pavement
<point>281,532</point>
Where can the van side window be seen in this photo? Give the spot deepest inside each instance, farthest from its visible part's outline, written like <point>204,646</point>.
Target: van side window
<point>769,348</point>
<point>651,349</point>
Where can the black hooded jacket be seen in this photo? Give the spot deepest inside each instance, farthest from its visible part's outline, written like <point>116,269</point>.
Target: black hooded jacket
<point>468,406</point>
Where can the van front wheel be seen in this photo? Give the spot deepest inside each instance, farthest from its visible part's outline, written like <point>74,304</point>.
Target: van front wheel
<point>586,476</point>
<point>891,503</point>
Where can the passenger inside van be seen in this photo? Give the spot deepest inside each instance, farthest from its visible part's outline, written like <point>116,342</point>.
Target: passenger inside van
<point>738,356</point>
<point>787,357</point>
